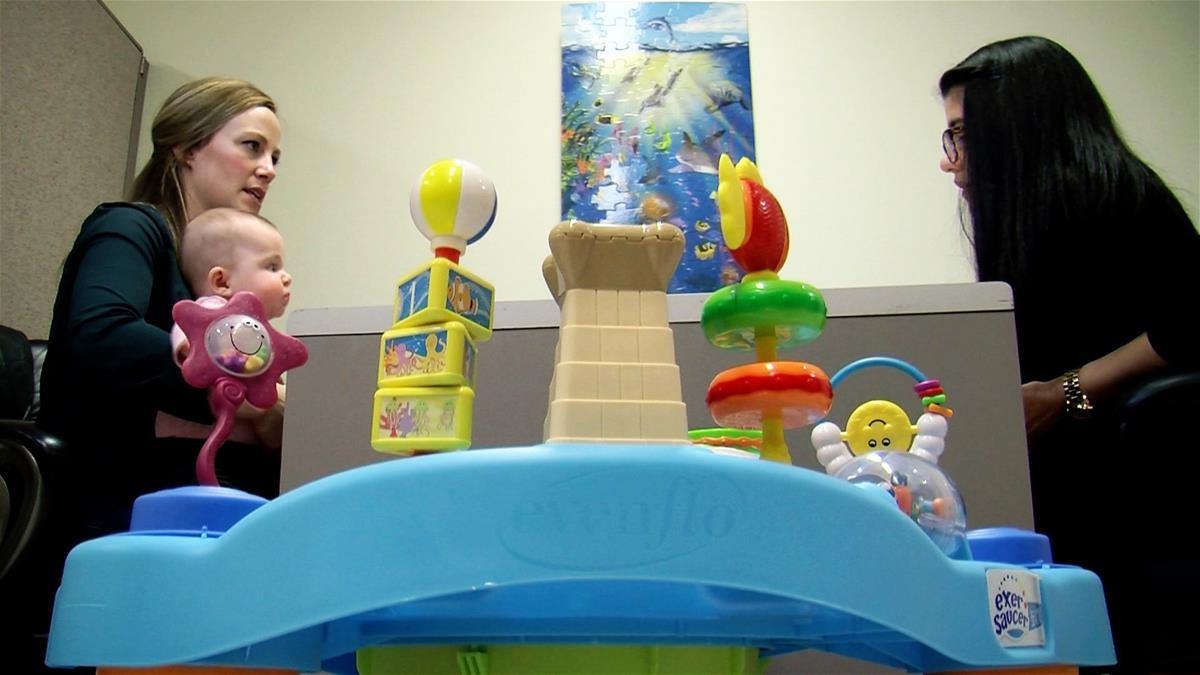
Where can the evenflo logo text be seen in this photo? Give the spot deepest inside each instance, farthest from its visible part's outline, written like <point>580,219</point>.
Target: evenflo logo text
<point>621,518</point>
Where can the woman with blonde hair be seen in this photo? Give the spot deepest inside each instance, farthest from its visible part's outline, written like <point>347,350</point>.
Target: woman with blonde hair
<point>109,377</point>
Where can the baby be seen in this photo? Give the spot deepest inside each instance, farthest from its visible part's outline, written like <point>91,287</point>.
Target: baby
<point>225,251</point>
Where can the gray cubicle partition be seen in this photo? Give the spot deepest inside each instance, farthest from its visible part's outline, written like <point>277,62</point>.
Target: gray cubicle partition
<point>961,334</point>
<point>73,82</point>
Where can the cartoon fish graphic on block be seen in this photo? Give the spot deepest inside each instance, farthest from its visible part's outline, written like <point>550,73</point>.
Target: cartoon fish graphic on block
<point>460,298</point>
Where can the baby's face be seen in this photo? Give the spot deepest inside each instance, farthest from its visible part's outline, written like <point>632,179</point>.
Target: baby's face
<point>259,269</point>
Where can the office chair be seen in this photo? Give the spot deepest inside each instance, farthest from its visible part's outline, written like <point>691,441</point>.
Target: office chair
<point>31,542</point>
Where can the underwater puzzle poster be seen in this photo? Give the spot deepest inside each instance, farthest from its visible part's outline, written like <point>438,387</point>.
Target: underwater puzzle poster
<point>652,94</point>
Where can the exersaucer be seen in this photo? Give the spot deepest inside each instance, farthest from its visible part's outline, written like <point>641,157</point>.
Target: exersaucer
<point>620,545</point>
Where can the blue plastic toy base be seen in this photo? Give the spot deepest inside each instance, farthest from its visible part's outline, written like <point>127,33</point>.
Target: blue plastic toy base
<point>553,544</point>
<point>1010,545</point>
<point>197,510</point>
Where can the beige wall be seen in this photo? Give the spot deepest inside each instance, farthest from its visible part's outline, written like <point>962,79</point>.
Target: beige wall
<point>70,86</point>
<point>846,110</point>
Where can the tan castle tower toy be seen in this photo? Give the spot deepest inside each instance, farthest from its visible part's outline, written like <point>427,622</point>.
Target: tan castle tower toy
<point>615,377</point>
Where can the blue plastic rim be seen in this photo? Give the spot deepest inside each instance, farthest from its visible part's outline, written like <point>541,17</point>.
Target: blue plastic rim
<point>580,543</point>
<point>195,510</point>
<point>1011,545</point>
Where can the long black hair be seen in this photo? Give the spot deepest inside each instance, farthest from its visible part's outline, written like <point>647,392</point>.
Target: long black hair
<point>1047,168</point>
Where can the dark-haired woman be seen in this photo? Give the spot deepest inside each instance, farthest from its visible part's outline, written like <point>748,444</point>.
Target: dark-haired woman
<point>1101,257</point>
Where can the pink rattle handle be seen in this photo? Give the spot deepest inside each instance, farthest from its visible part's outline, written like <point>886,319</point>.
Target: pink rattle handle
<point>224,398</point>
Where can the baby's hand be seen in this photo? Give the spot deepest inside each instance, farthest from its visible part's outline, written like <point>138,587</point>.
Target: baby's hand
<point>267,423</point>
<point>269,426</point>
<point>181,352</point>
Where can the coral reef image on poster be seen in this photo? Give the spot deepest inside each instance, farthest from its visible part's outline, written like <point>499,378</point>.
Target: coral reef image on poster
<point>652,94</point>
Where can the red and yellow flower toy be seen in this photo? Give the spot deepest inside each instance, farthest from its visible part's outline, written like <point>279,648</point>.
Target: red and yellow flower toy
<point>764,313</point>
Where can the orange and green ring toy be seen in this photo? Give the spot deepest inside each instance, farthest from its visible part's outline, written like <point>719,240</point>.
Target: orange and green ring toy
<point>734,316</point>
<point>726,437</point>
<point>763,313</point>
<point>742,397</point>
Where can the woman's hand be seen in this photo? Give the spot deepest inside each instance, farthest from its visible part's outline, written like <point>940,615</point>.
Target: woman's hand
<point>268,423</point>
<point>269,426</point>
<point>1045,404</point>
<point>1101,380</point>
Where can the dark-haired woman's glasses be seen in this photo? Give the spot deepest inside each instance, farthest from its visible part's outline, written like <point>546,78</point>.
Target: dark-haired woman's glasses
<point>950,142</point>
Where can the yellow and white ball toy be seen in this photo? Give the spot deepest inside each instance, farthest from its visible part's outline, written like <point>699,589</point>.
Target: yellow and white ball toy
<point>453,204</point>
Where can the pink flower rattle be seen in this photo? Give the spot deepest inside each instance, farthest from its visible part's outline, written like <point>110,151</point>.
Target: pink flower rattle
<point>239,356</point>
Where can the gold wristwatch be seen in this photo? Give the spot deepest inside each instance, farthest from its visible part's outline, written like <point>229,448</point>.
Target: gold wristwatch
<point>1078,405</point>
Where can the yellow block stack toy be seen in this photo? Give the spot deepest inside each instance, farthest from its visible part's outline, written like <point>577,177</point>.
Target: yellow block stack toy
<point>427,359</point>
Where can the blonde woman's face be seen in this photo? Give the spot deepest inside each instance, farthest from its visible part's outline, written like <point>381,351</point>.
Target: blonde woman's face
<point>235,167</point>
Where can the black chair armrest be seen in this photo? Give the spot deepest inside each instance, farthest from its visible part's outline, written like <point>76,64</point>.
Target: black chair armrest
<point>1153,409</point>
<point>31,459</point>
<point>1173,385</point>
<point>44,445</point>
<point>26,496</point>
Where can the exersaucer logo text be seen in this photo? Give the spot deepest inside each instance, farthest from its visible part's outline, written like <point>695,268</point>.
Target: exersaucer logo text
<point>1015,603</point>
